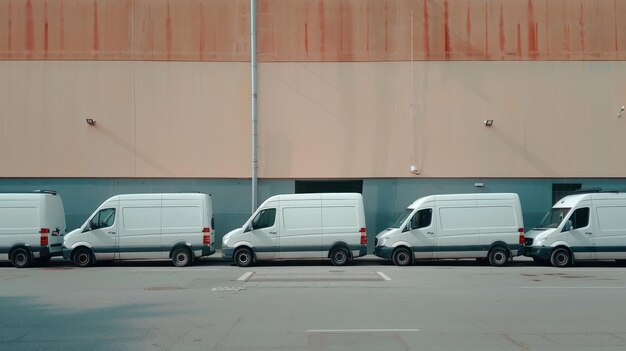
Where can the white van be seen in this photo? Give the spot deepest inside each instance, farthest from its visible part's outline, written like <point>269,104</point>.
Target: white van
<point>31,227</point>
<point>581,227</point>
<point>145,226</point>
<point>481,226</point>
<point>301,226</point>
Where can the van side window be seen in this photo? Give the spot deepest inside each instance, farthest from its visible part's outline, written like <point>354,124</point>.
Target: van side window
<point>580,218</point>
<point>422,218</point>
<point>264,219</point>
<point>103,219</point>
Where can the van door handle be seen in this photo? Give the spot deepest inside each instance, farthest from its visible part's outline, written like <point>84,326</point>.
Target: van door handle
<point>272,232</point>
<point>111,232</point>
<point>430,233</point>
<point>588,233</point>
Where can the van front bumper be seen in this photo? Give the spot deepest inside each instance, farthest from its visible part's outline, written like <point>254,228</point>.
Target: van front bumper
<point>542,252</point>
<point>67,253</point>
<point>383,251</point>
<point>227,253</point>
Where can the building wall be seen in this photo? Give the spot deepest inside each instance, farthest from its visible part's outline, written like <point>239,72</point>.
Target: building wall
<point>316,119</point>
<point>313,30</point>
<point>347,89</point>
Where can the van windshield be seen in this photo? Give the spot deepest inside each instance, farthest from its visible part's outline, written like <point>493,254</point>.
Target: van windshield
<point>553,218</point>
<point>403,216</point>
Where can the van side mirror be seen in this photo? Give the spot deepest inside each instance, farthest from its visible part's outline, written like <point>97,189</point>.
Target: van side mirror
<point>407,227</point>
<point>568,226</point>
<point>248,228</point>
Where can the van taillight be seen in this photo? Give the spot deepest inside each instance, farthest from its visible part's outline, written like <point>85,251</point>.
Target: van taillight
<point>206,238</point>
<point>363,236</point>
<point>521,236</point>
<point>43,240</point>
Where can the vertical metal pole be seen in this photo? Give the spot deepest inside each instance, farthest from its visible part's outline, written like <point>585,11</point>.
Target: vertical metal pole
<point>254,100</point>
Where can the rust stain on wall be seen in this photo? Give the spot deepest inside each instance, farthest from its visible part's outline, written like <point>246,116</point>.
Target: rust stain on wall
<point>313,30</point>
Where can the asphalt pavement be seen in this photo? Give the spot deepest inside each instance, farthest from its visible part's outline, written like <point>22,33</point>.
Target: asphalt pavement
<point>293,305</point>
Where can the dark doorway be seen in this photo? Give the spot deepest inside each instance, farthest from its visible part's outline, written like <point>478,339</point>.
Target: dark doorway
<point>329,186</point>
<point>560,191</point>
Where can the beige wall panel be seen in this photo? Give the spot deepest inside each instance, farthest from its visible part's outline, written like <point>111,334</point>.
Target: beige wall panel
<point>336,120</point>
<point>43,106</point>
<point>193,119</point>
<point>313,30</point>
<point>316,120</point>
<point>153,119</point>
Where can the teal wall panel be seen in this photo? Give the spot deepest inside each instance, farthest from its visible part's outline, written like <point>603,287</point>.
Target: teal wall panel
<point>383,199</point>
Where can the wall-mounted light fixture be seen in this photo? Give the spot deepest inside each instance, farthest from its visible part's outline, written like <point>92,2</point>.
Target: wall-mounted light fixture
<point>90,121</point>
<point>479,185</point>
<point>488,122</point>
<point>619,114</point>
<point>414,169</point>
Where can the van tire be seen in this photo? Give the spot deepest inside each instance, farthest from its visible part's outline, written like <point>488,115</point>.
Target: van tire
<point>181,257</point>
<point>560,257</point>
<point>83,257</point>
<point>243,257</point>
<point>498,256</point>
<point>401,256</point>
<point>339,257</point>
<point>21,258</point>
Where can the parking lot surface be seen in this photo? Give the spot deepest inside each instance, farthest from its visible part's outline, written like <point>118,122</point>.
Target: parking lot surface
<point>369,305</point>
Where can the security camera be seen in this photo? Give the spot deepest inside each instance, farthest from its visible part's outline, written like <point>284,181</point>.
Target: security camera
<point>619,114</point>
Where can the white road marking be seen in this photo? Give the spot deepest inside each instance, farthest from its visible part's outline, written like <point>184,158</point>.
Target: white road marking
<point>383,275</point>
<point>229,288</point>
<point>573,287</point>
<point>175,269</point>
<point>245,276</point>
<point>337,331</point>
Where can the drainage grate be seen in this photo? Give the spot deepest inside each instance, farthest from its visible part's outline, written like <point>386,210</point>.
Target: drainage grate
<point>332,276</point>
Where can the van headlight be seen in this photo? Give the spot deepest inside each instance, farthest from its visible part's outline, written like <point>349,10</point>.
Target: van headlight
<point>383,240</point>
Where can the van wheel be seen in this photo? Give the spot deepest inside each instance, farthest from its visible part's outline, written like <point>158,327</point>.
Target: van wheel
<point>83,257</point>
<point>498,256</point>
<point>560,257</point>
<point>402,257</point>
<point>21,258</point>
<point>243,257</point>
<point>339,257</point>
<point>181,257</point>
